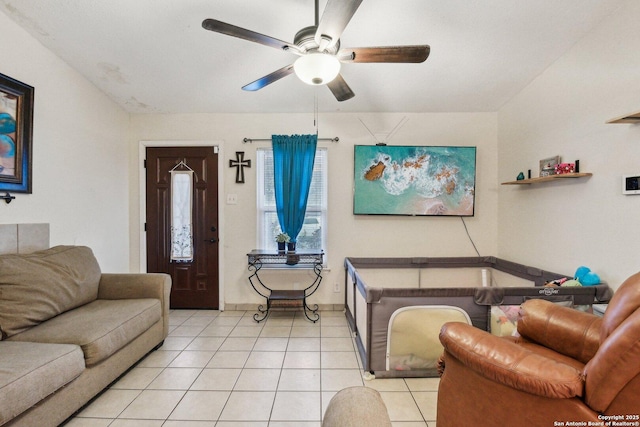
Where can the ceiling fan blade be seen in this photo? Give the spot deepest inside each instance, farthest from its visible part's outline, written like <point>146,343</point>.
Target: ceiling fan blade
<point>340,89</point>
<point>335,18</point>
<point>269,78</point>
<point>404,54</point>
<point>242,33</point>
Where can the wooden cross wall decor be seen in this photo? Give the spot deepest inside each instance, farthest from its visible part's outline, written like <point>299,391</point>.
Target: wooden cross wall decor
<point>240,163</point>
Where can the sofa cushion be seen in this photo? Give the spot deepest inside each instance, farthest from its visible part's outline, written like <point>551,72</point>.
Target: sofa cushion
<point>100,328</point>
<point>38,286</point>
<point>29,372</point>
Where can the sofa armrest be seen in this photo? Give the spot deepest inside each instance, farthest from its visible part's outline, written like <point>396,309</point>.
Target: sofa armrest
<point>138,285</point>
<point>565,330</point>
<point>507,363</point>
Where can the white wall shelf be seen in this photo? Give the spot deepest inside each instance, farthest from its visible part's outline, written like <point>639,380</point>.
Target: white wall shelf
<point>627,118</point>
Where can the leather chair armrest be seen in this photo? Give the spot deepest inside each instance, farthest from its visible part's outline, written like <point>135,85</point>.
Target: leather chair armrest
<point>565,330</point>
<point>615,367</point>
<point>507,363</point>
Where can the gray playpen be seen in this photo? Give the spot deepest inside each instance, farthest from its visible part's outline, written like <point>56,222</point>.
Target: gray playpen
<point>396,306</point>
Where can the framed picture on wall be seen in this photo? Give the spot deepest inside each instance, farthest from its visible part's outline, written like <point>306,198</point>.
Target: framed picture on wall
<point>414,180</point>
<point>16,129</point>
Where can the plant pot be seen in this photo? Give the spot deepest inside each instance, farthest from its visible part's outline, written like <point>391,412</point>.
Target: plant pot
<point>291,246</point>
<point>281,246</point>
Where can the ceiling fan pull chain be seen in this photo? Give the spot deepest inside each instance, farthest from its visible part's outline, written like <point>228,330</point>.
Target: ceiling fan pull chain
<point>316,122</point>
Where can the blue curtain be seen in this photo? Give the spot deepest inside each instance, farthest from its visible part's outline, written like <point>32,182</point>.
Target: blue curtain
<point>293,158</point>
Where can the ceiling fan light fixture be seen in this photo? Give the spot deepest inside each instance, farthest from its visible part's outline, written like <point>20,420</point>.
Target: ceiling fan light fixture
<point>317,68</point>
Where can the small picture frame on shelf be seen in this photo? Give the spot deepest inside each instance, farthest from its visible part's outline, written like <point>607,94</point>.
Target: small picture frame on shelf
<point>548,166</point>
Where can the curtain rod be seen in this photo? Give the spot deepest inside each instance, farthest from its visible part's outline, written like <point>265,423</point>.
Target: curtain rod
<point>250,140</point>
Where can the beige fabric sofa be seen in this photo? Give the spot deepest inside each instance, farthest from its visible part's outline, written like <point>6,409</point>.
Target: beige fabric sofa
<point>68,331</point>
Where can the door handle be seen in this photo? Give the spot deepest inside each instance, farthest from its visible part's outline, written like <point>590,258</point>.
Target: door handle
<point>211,240</point>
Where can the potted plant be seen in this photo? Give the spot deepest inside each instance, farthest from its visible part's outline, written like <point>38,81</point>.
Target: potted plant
<point>282,239</point>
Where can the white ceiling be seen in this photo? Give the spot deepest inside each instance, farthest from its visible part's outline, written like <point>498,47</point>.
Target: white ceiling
<point>153,56</point>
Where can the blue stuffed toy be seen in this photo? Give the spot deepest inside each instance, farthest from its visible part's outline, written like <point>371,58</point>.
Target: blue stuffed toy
<point>586,277</point>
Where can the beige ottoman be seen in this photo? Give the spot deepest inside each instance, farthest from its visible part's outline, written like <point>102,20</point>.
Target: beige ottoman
<point>356,407</point>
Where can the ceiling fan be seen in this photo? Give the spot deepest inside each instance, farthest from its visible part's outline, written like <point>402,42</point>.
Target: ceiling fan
<point>319,49</point>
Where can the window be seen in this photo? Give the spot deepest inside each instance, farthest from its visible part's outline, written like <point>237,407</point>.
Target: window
<point>314,230</point>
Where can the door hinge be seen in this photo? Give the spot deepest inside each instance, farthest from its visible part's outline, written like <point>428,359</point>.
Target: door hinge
<point>145,163</point>
<point>145,226</point>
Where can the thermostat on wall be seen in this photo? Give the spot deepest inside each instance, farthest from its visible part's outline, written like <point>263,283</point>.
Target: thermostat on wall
<point>631,184</point>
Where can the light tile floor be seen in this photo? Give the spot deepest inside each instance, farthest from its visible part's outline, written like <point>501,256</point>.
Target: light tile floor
<point>223,369</point>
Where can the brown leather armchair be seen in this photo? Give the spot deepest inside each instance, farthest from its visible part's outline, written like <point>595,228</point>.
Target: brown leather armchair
<point>565,366</point>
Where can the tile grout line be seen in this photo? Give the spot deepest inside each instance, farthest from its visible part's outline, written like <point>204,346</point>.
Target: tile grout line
<point>186,391</point>
<point>241,369</point>
<point>275,395</point>
<point>147,386</point>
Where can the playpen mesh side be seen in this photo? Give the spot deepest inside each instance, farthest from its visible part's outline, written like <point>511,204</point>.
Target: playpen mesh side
<point>412,342</point>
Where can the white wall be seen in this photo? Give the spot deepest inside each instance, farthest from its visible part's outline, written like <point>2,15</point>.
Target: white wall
<point>349,235</point>
<point>562,225</point>
<point>85,167</point>
<point>80,156</point>
<point>86,173</point>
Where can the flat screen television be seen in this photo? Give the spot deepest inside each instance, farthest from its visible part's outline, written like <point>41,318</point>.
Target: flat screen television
<point>414,180</point>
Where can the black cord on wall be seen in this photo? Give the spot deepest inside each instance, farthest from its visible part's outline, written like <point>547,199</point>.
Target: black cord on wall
<point>469,235</point>
<point>493,280</point>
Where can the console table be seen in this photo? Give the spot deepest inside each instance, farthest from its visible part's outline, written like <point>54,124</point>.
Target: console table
<point>312,259</point>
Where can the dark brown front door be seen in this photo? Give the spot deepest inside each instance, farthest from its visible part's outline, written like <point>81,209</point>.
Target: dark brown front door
<point>194,283</point>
